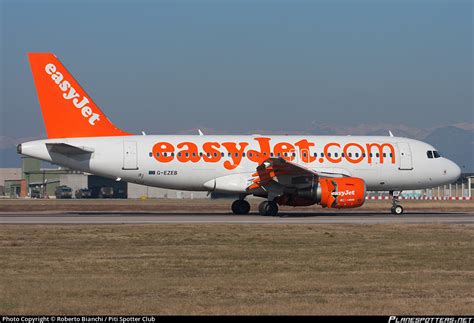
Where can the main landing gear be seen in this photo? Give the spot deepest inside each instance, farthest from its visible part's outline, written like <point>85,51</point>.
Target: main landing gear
<point>396,207</point>
<point>240,207</point>
<point>268,208</point>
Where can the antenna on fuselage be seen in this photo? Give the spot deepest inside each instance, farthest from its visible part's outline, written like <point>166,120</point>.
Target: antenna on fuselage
<point>390,133</point>
<point>200,132</point>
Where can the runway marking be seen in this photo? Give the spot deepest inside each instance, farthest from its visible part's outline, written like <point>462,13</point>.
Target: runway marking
<point>131,218</point>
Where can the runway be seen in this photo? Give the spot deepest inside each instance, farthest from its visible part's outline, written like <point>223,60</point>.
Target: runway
<point>225,218</point>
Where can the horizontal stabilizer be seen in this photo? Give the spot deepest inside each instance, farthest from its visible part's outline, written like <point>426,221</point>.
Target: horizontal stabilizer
<point>67,149</point>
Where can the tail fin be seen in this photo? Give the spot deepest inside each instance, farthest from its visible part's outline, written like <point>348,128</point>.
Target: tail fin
<point>67,109</point>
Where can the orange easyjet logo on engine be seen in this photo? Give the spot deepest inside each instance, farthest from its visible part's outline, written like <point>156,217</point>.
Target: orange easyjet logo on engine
<point>79,101</point>
<point>303,150</point>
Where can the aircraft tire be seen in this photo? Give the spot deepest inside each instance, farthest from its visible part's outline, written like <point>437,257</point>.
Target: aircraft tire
<point>240,207</point>
<point>268,208</point>
<point>397,209</point>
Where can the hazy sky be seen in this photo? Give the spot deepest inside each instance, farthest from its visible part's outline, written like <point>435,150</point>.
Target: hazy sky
<point>164,67</point>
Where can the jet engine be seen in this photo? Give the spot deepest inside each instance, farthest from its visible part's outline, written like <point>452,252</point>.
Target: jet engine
<point>346,192</point>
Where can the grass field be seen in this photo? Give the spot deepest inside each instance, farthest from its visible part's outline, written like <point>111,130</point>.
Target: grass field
<point>211,206</point>
<point>237,269</point>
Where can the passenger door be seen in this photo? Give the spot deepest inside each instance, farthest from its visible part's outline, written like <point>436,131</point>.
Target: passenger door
<point>130,155</point>
<point>405,157</point>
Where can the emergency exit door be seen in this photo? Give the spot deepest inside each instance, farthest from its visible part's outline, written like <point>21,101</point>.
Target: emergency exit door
<point>130,155</point>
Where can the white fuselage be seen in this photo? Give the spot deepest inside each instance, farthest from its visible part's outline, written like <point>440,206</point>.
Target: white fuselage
<point>199,162</point>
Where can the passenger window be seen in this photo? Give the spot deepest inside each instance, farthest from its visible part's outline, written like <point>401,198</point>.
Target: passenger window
<point>150,154</point>
<point>436,154</point>
<point>329,154</point>
<point>335,155</point>
<point>322,154</point>
<point>429,153</point>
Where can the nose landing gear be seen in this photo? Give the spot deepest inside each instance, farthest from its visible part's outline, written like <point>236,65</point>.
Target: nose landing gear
<point>396,207</point>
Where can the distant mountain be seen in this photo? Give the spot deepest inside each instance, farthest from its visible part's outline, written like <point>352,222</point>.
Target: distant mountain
<point>456,144</point>
<point>8,155</point>
<point>9,158</point>
<point>368,130</point>
<point>10,142</point>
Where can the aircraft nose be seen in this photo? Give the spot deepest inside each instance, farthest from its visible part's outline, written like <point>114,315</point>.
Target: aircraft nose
<point>453,171</point>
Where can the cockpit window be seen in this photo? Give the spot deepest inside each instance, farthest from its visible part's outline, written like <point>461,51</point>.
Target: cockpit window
<point>436,154</point>
<point>429,153</point>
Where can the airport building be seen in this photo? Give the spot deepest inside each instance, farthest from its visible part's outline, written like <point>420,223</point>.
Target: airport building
<point>462,189</point>
<point>31,180</point>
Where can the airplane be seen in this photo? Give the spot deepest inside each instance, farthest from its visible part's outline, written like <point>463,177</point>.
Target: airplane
<point>332,171</point>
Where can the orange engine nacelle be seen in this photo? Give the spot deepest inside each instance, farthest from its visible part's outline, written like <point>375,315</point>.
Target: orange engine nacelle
<point>343,192</point>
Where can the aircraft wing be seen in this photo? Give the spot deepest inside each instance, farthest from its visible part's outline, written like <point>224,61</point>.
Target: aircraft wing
<point>277,172</point>
<point>280,174</point>
<point>66,149</point>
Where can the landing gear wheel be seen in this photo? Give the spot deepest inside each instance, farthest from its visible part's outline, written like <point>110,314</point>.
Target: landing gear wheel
<point>240,207</point>
<point>268,208</point>
<point>397,209</point>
